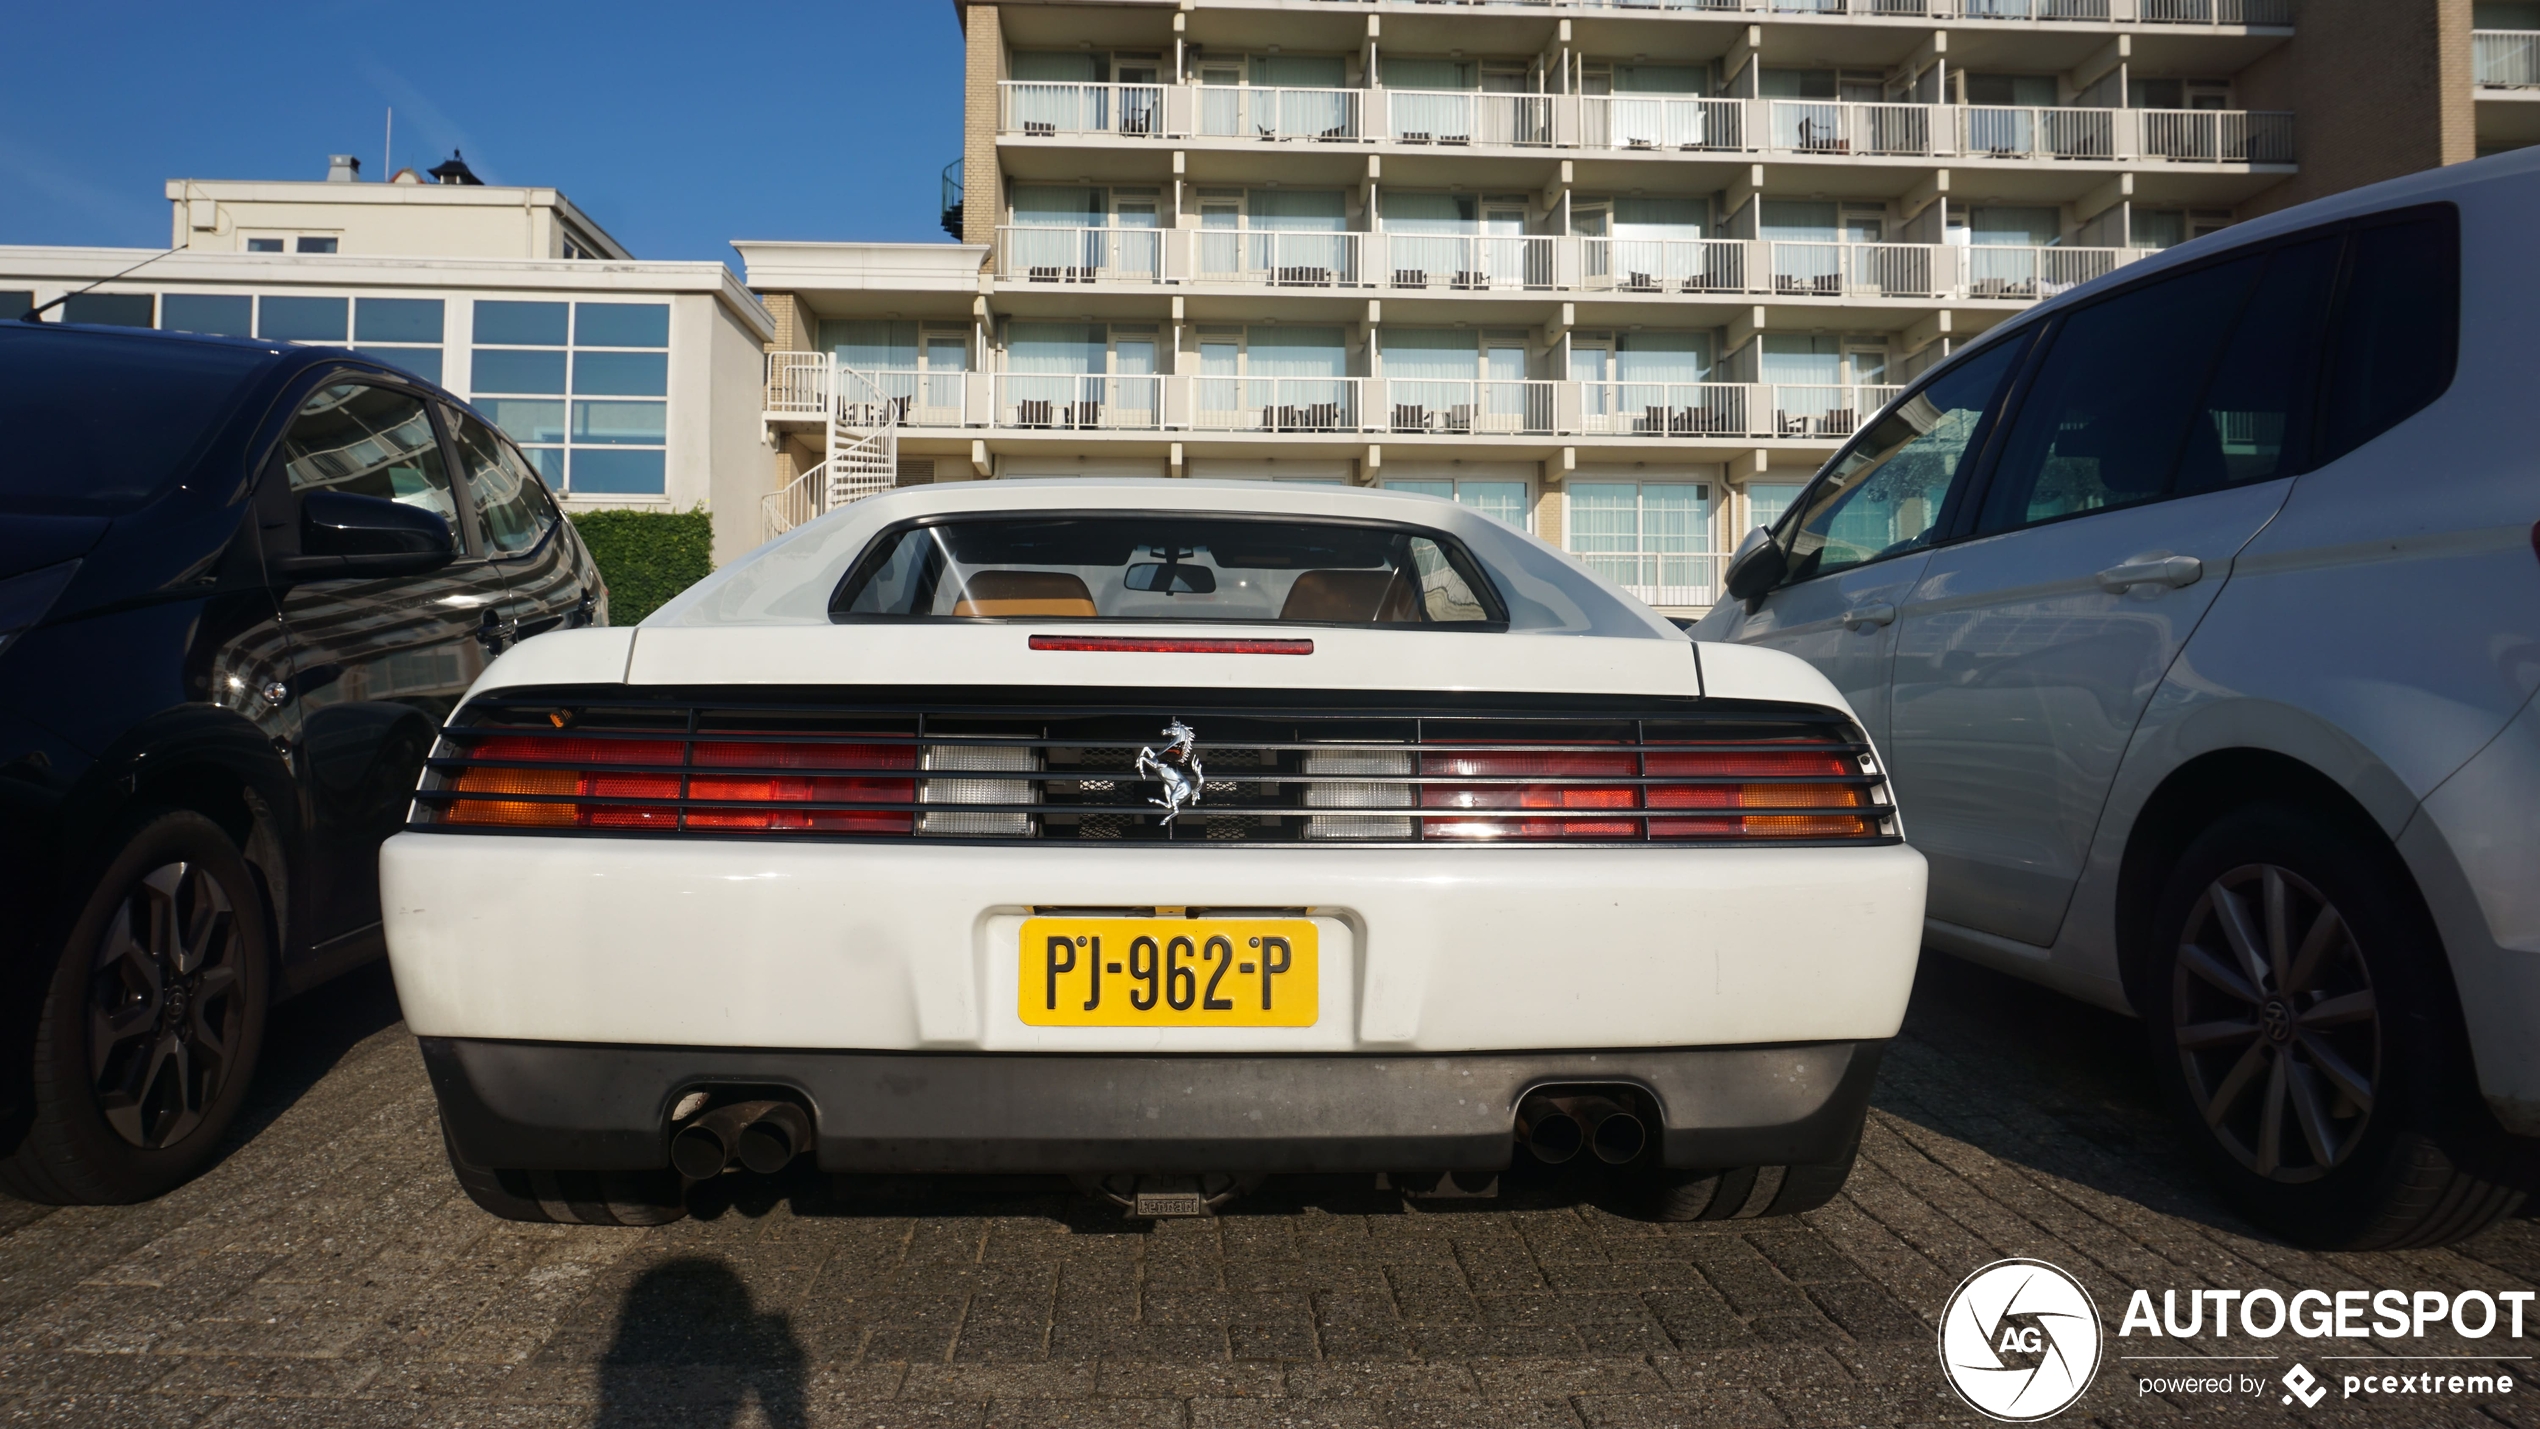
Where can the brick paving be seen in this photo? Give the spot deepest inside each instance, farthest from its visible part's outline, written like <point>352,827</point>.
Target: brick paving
<point>328,1271</point>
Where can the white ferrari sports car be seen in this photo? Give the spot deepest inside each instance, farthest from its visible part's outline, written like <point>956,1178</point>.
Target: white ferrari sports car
<point>1165,834</point>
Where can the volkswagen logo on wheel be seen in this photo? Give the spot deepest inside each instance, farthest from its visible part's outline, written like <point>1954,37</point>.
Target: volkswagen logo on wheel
<point>2019,1340</point>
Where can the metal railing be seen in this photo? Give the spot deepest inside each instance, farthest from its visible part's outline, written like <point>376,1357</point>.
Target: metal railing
<point>1036,254</point>
<point>1663,265</point>
<point>1662,123</point>
<point>2156,12</point>
<point>2507,59</point>
<point>1276,404</point>
<point>1656,122</point>
<point>2020,272</point>
<point>1066,401</point>
<point>1277,259</point>
<point>1658,577</point>
<point>800,384</point>
<point>1037,107</point>
<point>1226,111</point>
<point>1467,261</point>
<point>1433,407</point>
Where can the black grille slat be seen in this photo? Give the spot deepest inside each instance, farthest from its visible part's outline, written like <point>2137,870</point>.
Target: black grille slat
<point>1082,785</point>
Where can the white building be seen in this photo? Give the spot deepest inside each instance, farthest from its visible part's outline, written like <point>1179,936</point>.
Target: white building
<point>630,383</point>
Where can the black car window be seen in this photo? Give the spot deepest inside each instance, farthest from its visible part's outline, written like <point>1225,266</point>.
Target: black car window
<point>2100,424</point>
<point>370,441</point>
<point>97,423</point>
<point>1883,494</point>
<point>2249,425</point>
<point>2398,327</point>
<point>507,511</point>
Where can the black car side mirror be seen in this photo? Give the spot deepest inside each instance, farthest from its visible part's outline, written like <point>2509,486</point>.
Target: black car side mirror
<point>1757,567</point>
<point>344,534</point>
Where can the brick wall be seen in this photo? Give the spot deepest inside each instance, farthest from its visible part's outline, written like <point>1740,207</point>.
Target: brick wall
<point>983,65</point>
<point>793,322</point>
<point>2378,88</point>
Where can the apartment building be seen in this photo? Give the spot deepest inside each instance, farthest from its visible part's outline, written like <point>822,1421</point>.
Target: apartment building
<point>629,383</point>
<point>2505,74</point>
<point>1621,274</point>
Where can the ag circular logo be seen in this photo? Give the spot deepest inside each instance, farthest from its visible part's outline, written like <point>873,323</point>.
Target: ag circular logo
<point>2019,1340</point>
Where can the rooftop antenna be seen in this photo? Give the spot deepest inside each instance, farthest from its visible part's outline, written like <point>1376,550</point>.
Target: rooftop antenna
<point>36,314</point>
<point>388,147</point>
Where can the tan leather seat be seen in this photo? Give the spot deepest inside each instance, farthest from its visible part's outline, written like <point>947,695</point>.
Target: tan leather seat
<point>1014,593</point>
<point>1379,597</point>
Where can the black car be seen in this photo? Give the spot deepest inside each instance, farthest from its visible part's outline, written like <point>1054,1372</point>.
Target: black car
<point>241,585</point>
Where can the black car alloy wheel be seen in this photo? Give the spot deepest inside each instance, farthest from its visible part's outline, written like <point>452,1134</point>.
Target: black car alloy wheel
<point>2277,1028</point>
<point>165,1012</point>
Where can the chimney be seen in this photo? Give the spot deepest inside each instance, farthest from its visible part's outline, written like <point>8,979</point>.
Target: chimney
<point>343,169</point>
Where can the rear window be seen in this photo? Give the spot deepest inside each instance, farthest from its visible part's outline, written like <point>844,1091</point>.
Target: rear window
<point>98,423</point>
<point>1168,567</point>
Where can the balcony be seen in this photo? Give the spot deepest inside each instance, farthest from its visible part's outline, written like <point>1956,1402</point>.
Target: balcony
<point>800,384</point>
<point>1400,263</point>
<point>2148,12</point>
<point>2505,59</point>
<point>1656,124</point>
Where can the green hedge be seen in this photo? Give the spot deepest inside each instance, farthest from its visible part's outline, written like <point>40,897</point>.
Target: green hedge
<point>647,556</point>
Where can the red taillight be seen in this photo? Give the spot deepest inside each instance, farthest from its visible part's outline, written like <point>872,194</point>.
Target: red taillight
<point>1663,792</point>
<point>1487,799</point>
<point>606,798</point>
<point>1136,644</point>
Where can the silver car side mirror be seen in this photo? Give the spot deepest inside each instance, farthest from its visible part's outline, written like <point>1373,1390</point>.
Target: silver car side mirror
<point>1756,568</point>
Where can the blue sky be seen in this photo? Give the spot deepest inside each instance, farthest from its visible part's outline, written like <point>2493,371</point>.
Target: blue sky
<point>678,127</point>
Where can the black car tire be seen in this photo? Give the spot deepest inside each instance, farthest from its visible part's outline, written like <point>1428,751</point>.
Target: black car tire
<point>584,1198</point>
<point>2350,992</point>
<point>167,963</point>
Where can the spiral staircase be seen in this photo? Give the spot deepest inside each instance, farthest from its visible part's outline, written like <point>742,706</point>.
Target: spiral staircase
<point>862,426</point>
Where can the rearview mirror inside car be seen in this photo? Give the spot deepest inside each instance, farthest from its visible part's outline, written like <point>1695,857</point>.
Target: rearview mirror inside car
<point>1173,579</point>
<point>345,534</point>
<point>1757,567</point>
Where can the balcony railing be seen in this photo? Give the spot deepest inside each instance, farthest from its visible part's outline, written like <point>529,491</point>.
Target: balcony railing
<point>1467,262</point>
<point>2153,12</point>
<point>808,384</point>
<point>1033,254</point>
<point>1658,577</point>
<point>1493,262</point>
<point>2505,59</point>
<point>1663,124</point>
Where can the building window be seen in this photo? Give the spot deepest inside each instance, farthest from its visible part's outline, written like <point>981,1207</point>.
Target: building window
<point>109,309</point>
<point>306,244</point>
<point>219,314</point>
<point>1651,538</point>
<point>302,319</point>
<point>264,245</point>
<point>14,301</point>
<point>1503,501</point>
<point>403,331</point>
<point>1767,500</point>
<point>568,382</point>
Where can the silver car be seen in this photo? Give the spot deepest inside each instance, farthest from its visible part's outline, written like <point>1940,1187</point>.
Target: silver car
<point>2197,618</point>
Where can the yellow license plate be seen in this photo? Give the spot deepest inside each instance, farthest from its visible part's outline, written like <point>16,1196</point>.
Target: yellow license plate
<point>1168,972</point>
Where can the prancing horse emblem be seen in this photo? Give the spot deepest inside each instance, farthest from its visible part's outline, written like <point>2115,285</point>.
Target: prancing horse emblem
<point>1177,768</point>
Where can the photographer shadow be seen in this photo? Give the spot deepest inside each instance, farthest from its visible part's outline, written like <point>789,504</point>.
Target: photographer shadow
<point>692,1348</point>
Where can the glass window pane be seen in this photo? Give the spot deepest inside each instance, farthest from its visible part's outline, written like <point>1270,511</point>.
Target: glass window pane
<point>1882,493</point>
<point>423,362</point>
<point>618,423</point>
<point>301,319</point>
<point>225,314</point>
<point>521,324</point>
<point>601,471</point>
<point>2101,424</point>
<point>621,374</point>
<point>1769,500</point>
<point>549,462</point>
<point>1604,516</point>
<point>2258,387</point>
<point>397,319</point>
<point>1424,488</point>
<point>509,515</point>
<point>1500,500</point>
<point>501,371</point>
<point>314,245</point>
<point>370,441</point>
<point>2398,329</point>
<point>527,421</point>
<point>621,324</point>
<point>109,309</point>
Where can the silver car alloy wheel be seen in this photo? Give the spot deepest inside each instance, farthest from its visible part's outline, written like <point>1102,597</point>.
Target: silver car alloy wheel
<point>2277,1028</point>
<point>164,1010</point>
